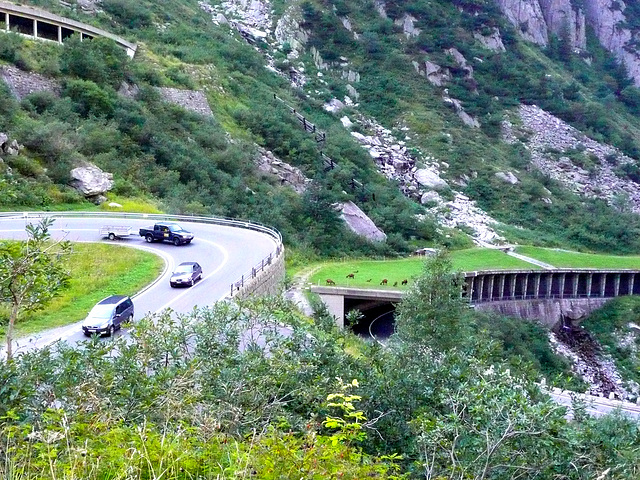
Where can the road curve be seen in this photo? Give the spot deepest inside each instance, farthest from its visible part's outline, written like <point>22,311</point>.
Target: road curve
<point>224,252</point>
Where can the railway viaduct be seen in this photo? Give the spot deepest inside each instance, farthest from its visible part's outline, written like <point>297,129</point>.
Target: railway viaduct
<point>42,25</point>
<point>549,296</point>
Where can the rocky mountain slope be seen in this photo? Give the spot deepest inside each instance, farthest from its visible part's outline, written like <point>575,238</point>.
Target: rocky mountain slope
<point>474,115</point>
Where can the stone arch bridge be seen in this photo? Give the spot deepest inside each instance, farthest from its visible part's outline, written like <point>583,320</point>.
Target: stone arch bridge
<point>549,296</point>
<point>43,25</point>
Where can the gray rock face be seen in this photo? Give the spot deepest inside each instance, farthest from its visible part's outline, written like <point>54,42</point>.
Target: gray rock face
<point>360,223</point>
<point>492,41</point>
<point>526,16</point>
<point>607,18</point>
<point>547,133</point>
<point>430,179</point>
<point>464,116</point>
<point>23,83</point>
<point>288,175</point>
<point>507,177</point>
<point>91,181</point>
<point>8,146</point>
<point>407,23</point>
<point>537,19</point>
<point>563,19</point>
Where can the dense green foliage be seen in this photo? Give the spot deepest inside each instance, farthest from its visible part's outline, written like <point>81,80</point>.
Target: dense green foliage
<point>259,388</point>
<point>615,326</point>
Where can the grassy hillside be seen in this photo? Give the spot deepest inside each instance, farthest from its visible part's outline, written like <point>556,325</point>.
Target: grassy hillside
<point>192,165</point>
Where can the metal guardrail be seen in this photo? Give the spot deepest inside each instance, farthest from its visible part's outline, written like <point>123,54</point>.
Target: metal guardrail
<point>228,222</point>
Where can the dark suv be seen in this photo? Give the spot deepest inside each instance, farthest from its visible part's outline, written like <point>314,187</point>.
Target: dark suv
<point>108,315</point>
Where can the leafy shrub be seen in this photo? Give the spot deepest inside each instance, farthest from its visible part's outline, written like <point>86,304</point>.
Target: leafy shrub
<point>132,15</point>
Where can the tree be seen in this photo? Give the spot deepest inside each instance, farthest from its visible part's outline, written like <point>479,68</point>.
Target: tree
<point>31,272</point>
<point>433,313</point>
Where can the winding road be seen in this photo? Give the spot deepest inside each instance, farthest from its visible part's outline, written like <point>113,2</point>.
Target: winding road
<point>225,253</point>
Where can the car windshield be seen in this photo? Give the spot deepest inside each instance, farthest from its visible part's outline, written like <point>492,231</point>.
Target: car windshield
<point>101,311</point>
<point>176,228</point>
<point>183,269</point>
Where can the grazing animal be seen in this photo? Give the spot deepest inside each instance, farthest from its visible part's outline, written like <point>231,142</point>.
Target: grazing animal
<point>405,281</point>
<point>395,284</point>
<point>330,282</point>
<point>355,271</point>
<point>368,280</point>
<point>384,281</point>
<point>351,275</point>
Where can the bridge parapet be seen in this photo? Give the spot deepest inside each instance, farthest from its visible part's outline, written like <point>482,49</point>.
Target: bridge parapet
<point>43,25</point>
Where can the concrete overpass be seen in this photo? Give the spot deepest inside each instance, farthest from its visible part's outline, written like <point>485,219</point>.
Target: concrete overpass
<point>549,296</point>
<point>43,25</point>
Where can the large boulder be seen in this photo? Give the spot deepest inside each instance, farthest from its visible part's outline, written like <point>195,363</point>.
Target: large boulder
<point>91,181</point>
<point>430,179</point>
<point>360,223</point>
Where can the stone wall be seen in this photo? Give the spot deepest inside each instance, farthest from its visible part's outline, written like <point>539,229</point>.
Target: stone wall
<point>267,282</point>
<point>549,312</point>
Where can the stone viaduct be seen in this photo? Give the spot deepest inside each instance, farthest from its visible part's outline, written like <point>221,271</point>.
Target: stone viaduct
<point>550,296</point>
<point>43,25</point>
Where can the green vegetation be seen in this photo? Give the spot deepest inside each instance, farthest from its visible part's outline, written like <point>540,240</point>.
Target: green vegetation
<point>566,259</point>
<point>408,268</point>
<point>225,409</point>
<point>96,271</point>
<point>616,326</point>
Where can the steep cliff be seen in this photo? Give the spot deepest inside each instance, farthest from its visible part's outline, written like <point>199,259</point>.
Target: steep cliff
<point>527,17</point>
<point>536,20</point>
<point>607,17</point>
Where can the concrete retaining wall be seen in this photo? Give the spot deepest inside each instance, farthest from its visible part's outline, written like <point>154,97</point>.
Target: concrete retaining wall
<point>549,312</point>
<point>267,282</point>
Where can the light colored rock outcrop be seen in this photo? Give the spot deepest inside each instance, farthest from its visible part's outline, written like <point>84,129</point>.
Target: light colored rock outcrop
<point>408,27</point>
<point>192,100</point>
<point>430,179</point>
<point>526,16</point>
<point>91,181</point>
<point>288,175</point>
<point>23,83</point>
<point>360,223</point>
<point>507,177</point>
<point>464,116</point>
<point>607,18</point>
<point>565,21</point>
<point>492,41</point>
<point>553,143</point>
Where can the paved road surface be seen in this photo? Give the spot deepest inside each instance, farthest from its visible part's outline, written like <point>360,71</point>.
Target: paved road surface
<point>225,253</point>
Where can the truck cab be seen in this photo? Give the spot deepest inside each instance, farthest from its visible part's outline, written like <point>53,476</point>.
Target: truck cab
<point>166,232</point>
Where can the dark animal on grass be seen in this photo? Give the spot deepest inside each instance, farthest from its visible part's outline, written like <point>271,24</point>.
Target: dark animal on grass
<point>384,281</point>
<point>405,281</point>
<point>395,284</point>
<point>351,275</point>
<point>330,282</point>
<point>368,280</point>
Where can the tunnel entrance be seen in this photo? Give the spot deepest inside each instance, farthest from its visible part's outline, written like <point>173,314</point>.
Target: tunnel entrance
<point>378,318</point>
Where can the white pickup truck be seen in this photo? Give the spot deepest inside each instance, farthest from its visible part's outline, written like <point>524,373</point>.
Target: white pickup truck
<point>116,231</point>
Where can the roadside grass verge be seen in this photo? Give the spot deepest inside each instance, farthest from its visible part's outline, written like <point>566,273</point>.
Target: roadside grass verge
<point>397,270</point>
<point>130,204</point>
<point>567,259</point>
<point>97,271</point>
